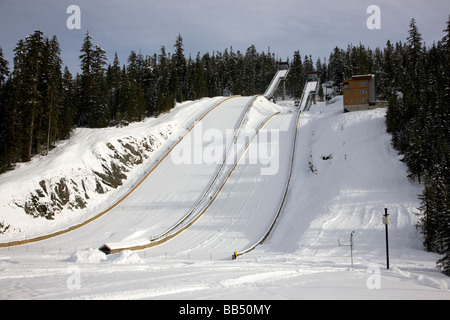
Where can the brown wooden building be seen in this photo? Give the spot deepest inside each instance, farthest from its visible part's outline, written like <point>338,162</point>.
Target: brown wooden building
<point>359,92</point>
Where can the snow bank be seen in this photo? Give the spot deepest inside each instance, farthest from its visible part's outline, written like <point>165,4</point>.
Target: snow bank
<point>91,255</point>
<point>87,256</point>
<point>125,257</point>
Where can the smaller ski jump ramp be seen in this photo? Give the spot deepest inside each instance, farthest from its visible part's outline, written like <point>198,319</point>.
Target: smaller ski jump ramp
<point>279,76</point>
<point>310,88</point>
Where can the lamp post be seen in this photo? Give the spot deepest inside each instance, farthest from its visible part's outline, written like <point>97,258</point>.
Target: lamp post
<point>349,245</point>
<point>386,222</point>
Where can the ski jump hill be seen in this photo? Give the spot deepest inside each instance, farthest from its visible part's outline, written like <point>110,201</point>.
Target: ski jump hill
<point>177,190</point>
<point>216,179</point>
<point>221,184</point>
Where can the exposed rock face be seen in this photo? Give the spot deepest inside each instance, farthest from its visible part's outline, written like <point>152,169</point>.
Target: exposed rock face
<point>52,195</point>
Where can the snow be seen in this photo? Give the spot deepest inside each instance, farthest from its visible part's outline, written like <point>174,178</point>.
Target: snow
<point>356,175</point>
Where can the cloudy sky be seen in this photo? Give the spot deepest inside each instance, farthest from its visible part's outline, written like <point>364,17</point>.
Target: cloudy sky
<point>313,27</point>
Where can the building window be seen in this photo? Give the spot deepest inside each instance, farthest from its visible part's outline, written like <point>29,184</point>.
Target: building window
<point>363,83</point>
<point>363,99</point>
<point>362,91</point>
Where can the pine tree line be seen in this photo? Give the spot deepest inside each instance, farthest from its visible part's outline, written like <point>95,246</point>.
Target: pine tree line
<point>419,120</point>
<point>32,100</point>
<point>40,104</point>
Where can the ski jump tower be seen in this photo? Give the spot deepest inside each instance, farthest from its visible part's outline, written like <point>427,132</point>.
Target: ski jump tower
<point>309,94</point>
<point>309,90</point>
<point>280,77</point>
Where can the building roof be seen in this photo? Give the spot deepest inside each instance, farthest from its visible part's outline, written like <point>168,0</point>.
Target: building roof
<point>362,77</point>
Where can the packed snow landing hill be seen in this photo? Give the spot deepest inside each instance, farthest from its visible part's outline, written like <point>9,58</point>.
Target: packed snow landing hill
<point>345,173</point>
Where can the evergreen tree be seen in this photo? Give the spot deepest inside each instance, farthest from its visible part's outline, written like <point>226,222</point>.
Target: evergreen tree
<point>93,109</point>
<point>5,115</point>
<point>31,105</point>
<point>113,76</point>
<point>100,107</point>
<point>296,77</point>
<point>165,97</point>
<point>4,70</point>
<point>250,59</point>
<point>200,87</point>
<point>387,81</point>
<point>67,104</point>
<point>86,84</point>
<point>336,66</point>
<point>51,79</point>
<point>178,74</point>
<point>151,85</point>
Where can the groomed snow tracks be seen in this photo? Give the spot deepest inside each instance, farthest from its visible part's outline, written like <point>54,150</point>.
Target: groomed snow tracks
<point>114,205</point>
<point>111,248</point>
<point>205,201</point>
<point>215,187</point>
<point>214,180</point>
<point>283,199</point>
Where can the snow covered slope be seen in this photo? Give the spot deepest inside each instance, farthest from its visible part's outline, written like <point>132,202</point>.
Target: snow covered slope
<point>246,205</point>
<point>345,174</point>
<point>81,176</point>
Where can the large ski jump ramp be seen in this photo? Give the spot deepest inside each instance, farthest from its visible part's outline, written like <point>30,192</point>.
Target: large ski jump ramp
<point>236,199</point>
<point>245,207</point>
<point>172,189</point>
